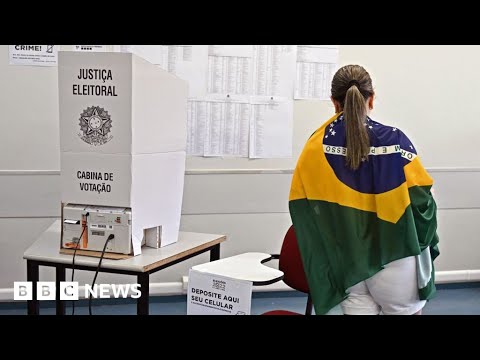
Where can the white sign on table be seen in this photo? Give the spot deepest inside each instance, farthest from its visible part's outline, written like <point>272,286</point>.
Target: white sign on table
<point>210,294</point>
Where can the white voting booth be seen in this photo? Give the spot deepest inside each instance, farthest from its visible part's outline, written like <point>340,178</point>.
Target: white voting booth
<point>123,139</point>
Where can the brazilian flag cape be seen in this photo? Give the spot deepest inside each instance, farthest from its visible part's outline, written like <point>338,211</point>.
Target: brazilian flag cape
<point>350,224</point>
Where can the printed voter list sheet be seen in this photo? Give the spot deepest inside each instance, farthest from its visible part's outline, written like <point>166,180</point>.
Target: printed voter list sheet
<point>196,125</point>
<point>316,65</point>
<point>188,62</point>
<point>274,70</point>
<point>271,127</point>
<point>227,127</point>
<point>230,69</point>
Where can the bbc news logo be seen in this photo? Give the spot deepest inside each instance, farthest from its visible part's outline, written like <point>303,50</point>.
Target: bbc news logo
<point>46,290</point>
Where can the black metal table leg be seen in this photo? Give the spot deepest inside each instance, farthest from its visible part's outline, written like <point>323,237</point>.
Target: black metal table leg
<point>60,277</point>
<point>143,279</point>
<point>215,253</point>
<point>143,300</point>
<point>32,276</point>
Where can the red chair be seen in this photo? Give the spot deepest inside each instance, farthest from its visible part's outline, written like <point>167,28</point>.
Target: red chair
<point>290,262</point>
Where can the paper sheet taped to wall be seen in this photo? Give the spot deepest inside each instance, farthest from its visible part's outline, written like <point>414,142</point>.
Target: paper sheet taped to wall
<point>271,123</point>
<point>316,65</point>
<point>241,95</point>
<point>33,55</point>
<point>188,62</point>
<point>218,128</point>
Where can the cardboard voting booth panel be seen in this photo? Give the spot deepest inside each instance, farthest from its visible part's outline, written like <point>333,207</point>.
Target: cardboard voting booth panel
<point>123,138</point>
<point>118,103</point>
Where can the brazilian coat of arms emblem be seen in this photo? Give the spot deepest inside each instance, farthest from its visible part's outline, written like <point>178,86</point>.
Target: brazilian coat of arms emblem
<point>95,125</point>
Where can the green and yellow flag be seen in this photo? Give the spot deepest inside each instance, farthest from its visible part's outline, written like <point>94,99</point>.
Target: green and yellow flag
<point>349,224</point>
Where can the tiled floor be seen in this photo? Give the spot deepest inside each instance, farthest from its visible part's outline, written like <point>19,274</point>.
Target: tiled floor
<point>450,300</point>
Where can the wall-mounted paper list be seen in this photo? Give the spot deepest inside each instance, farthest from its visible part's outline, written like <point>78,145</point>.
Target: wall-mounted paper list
<point>188,62</point>
<point>271,128</point>
<point>230,69</point>
<point>274,70</point>
<point>218,128</point>
<point>196,125</point>
<point>316,65</point>
<point>227,128</point>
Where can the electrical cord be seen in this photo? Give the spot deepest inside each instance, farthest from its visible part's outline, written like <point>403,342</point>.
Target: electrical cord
<point>110,237</point>
<point>74,253</point>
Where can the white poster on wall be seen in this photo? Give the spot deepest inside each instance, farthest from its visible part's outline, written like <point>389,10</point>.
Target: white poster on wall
<point>271,127</point>
<point>226,127</point>
<point>190,63</point>
<point>229,69</point>
<point>33,55</point>
<point>316,65</point>
<point>217,295</point>
<point>274,70</point>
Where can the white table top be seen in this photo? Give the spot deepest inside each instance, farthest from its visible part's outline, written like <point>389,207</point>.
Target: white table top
<point>247,266</point>
<point>47,248</point>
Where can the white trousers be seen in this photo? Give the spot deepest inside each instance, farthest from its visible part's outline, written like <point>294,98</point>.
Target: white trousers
<point>391,291</point>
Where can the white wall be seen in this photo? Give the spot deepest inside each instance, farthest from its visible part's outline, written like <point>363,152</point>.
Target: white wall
<point>427,91</point>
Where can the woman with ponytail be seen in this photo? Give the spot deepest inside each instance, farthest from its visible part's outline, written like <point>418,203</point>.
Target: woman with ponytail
<point>363,211</point>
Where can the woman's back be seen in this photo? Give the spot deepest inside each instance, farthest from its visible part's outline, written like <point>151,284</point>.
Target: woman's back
<point>354,213</point>
<point>390,151</point>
